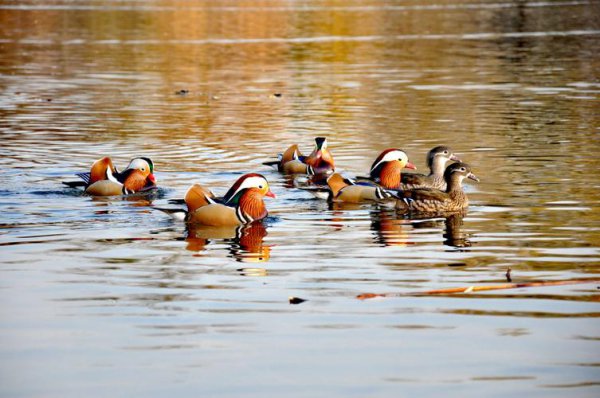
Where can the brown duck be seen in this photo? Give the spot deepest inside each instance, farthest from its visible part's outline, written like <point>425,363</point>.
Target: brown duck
<point>427,200</point>
<point>437,159</point>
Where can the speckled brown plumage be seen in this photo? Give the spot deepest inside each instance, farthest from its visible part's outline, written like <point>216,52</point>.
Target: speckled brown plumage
<point>427,200</point>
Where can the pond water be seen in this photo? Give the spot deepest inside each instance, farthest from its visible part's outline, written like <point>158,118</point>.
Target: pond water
<point>110,297</point>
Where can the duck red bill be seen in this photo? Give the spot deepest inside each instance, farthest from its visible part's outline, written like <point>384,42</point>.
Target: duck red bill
<point>270,194</point>
<point>152,178</point>
<point>409,165</point>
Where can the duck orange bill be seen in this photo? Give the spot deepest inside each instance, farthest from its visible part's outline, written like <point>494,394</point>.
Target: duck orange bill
<point>270,194</point>
<point>409,165</point>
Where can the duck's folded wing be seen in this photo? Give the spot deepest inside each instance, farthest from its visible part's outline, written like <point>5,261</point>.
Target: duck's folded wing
<point>412,179</point>
<point>425,194</point>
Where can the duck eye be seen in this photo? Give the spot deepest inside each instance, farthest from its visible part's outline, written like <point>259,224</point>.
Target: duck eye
<point>445,152</point>
<point>463,169</point>
<point>260,186</point>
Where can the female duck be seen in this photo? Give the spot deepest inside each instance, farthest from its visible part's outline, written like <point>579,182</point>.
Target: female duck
<point>437,159</point>
<point>453,199</point>
<point>242,204</point>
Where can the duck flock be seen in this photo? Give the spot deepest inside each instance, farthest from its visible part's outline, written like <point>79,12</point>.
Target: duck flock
<point>438,193</point>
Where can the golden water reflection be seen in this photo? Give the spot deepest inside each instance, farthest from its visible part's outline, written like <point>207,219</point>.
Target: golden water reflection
<point>246,242</point>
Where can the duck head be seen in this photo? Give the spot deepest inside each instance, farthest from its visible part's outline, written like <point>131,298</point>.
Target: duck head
<point>320,158</point>
<point>252,183</point>
<point>388,166</point>
<point>457,172</point>
<point>138,175</point>
<point>438,157</point>
<point>141,163</point>
<point>246,195</point>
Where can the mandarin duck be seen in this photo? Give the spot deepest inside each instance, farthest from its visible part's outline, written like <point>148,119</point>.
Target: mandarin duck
<point>437,158</point>
<point>320,160</point>
<point>386,170</point>
<point>105,180</point>
<point>242,204</point>
<point>349,191</point>
<point>428,200</point>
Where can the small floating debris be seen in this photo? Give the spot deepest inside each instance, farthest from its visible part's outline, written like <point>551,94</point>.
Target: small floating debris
<point>508,278</point>
<point>252,271</point>
<point>296,300</point>
<point>182,92</point>
<point>278,95</point>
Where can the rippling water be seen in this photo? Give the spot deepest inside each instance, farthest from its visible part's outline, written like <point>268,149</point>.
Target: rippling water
<point>110,297</point>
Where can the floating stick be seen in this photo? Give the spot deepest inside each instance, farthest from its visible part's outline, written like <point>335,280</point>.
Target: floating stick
<point>470,289</point>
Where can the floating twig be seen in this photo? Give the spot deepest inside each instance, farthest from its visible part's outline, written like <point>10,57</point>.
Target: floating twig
<point>470,289</point>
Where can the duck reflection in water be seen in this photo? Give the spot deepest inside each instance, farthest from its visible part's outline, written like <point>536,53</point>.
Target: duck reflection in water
<point>246,242</point>
<point>389,229</point>
<point>453,233</point>
<point>392,230</point>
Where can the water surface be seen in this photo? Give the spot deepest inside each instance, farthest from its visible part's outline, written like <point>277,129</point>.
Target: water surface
<point>110,297</point>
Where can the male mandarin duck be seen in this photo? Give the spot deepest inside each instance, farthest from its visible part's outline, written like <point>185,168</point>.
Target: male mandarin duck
<point>387,168</point>
<point>427,200</point>
<point>437,159</point>
<point>105,180</point>
<point>242,204</point>
<point>320,160</point>
<point>348,191</point>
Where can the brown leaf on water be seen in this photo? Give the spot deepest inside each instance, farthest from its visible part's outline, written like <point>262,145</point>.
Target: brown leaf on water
<point>366,296</point>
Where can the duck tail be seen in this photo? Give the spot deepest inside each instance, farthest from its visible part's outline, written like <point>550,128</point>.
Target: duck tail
<point>177,214</point>
<point>85,177</point>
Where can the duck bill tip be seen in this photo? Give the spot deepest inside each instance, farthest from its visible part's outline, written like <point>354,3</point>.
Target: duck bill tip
<point>411,166</point>
<point>270,194</point>
<point>473,177</point>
